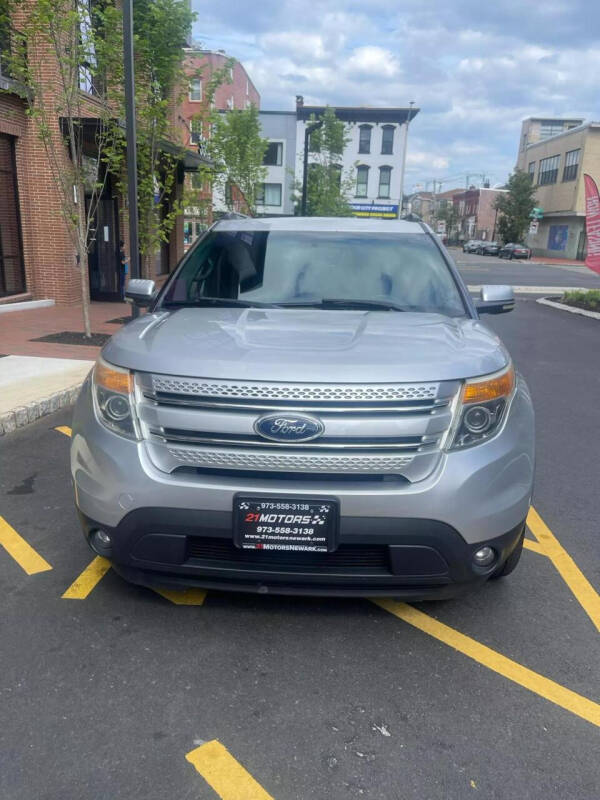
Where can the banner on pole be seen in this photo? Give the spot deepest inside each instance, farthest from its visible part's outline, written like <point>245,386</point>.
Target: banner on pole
<point>592,223</point>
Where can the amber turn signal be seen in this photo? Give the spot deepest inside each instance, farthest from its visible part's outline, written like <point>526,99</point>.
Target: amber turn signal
<point>112,379</point>
<point>483,390</point>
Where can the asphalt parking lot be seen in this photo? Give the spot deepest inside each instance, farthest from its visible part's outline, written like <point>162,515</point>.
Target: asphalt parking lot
<point>115,691</point>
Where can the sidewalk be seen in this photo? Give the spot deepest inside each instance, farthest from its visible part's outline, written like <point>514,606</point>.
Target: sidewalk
<point>37,378</point>
<point>556,262</point>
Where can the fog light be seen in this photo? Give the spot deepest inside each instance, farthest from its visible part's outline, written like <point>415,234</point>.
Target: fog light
<point>484,556</point>
<point>101,542</point>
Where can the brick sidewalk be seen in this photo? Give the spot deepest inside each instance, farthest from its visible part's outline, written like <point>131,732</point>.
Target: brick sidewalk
<point>18,328</point>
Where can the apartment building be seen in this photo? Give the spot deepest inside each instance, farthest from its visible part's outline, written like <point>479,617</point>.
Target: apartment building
<point>556,165</point>
<point>477,215</point>
<point>374,154</point>
<point>537,129</point>
<point>276,193</point>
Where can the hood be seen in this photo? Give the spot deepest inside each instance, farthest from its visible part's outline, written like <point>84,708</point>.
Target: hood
<point>307,345</point>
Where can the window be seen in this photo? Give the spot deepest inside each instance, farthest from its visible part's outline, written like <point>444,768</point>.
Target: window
<point>231,73</point>
<point>364,139</point>
<point>385,174</point>
<point>195,131</point>
<point>548,170</point>
<point>247,86</point>
<point>305,266</point>
<point>387,140</point>
<point>273,154</point>
<point>268,194</point>
<point>195,90</point>
<point>531,170</point>
<point>362,181</point>
<point>89,63</point>
<point>4,51</point>
<point>231,103</point>
<point>197,182</point>
<point>551,127</point>
<point>571,165</point>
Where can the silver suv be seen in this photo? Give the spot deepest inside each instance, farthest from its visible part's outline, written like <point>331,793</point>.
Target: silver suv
<point>309,406</point>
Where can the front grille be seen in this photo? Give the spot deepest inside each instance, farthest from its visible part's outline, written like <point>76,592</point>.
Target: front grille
<point>359,557</point>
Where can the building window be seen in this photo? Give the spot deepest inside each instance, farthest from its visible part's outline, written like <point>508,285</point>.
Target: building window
<point>571,165</point>
<point>273,154</point>
<point>531,170</point>
<point>4,52</point>
<point>231,103</point>
<point>195,131</point>
<point>387,140</point>
<point>197,181</point>
<point>385,174</point>
<point>548,170</point>
<point>231,74</point>
<point>551,127</point>
<point>196,90</point>
<point>364,139</point>
<point>268,194</point>
<point>247,86</point>
<point>87,68</point>
<point>362,181</point>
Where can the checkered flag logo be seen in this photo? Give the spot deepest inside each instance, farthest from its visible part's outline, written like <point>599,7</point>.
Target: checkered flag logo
<point>318,519</point>
<point>244,506</point>
<point>324,509</point>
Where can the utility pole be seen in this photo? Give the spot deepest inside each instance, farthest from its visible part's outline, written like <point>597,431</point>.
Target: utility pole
<point>408,119</point>
<point>130,135</point>
<point>307,132</point>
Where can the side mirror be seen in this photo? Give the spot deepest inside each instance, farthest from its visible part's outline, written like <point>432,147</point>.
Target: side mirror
<point>496,299</point>
<point>140,292</point>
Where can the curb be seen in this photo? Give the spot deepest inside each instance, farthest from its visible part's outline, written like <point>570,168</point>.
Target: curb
<point>546,301</point>
<point>24,415</point>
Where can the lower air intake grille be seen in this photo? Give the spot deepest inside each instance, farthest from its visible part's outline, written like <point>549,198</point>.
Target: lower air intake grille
<point>347,556</point>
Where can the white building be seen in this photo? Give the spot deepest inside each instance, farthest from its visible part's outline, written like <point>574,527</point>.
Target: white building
<point>375,154</point>
<point>275,194</point>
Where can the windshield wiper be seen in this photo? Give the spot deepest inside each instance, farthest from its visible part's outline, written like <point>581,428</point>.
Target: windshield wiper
<point>224,302</point>
<point>340,302</point>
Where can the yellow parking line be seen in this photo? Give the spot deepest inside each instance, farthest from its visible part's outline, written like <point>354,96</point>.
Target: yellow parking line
<point>224,774</point>
<point>64,429</point>
<point>183,597</point>
<point>492,659</point>
<point>91,575</point>
<point>23,553</point>
<point>536,547</point>
<point>587,596</point>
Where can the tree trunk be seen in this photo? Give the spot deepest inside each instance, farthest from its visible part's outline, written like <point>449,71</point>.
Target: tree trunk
<point>82,255</point>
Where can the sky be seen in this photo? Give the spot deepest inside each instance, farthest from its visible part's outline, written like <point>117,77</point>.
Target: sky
<point>475,68</point>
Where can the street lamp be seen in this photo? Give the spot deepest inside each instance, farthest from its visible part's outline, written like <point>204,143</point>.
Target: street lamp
<point>408,119</point>
<point>307,132</point>
<point>130,137</point>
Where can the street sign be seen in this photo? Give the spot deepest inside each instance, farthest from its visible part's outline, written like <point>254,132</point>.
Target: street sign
<point>537,213</point>
<point>533,226</point>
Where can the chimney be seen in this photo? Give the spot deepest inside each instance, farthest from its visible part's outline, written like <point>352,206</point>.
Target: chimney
<point>299,101</point>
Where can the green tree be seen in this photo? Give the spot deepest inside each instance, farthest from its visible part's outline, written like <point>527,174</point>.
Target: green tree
<point>515,207</point>
<point>237,151</point>
<point>327,185</point>
<point>449,214</point>
<point>160,31</point>
<point>63,54</point>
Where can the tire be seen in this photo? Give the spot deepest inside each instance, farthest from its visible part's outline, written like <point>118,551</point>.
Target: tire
<point>511,562</point>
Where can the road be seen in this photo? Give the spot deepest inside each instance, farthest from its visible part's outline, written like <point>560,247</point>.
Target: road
<point>494,695</point>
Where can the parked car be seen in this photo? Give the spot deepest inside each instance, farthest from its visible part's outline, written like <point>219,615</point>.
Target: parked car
<point>512,250</point>
<point>471,246</point>
<point>309,406</point>
<point>488,249</point>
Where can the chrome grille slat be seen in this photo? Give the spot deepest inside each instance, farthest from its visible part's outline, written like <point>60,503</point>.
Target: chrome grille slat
<point>249,390</point>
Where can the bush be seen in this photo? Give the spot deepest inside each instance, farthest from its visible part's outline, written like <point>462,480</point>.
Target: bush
<point>590,299</point>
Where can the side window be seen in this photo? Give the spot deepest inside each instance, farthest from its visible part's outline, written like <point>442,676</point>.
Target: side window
<point>387,140</point>
<point>362,181</point>
<point>364,139</point>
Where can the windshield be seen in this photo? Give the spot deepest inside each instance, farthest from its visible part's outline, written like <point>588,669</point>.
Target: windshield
<point>404,272</point>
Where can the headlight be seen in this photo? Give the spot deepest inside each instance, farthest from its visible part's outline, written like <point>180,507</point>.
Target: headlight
<point>112,388</point>
<point>483,404</point>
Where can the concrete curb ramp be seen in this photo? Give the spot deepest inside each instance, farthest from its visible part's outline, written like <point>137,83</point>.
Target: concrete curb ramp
<point>548,301</point>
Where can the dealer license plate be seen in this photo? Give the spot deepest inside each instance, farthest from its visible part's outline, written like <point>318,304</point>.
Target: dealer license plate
<point>261,523</point>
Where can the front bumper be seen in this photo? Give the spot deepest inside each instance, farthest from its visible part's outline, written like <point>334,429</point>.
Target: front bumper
<point>414,540</point>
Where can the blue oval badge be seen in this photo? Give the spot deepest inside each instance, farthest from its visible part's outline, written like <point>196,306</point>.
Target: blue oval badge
<point>288,427</point>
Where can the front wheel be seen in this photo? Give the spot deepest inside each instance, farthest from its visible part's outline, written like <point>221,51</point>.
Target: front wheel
<point>511,562</point>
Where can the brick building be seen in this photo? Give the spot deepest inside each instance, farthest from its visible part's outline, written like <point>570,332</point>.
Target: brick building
<point>477,215</point>
<point>237,92</point>
<point>37,252</point>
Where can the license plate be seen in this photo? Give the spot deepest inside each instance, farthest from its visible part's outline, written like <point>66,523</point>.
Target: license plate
<point>261,523</point>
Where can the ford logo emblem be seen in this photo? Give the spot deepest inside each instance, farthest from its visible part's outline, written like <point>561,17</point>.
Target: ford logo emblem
<point>288,427</point>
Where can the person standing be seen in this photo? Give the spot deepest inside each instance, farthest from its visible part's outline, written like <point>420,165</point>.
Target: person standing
<point>123,269</point>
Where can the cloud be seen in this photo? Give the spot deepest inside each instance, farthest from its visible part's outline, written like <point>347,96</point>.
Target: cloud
<point>475,69</point>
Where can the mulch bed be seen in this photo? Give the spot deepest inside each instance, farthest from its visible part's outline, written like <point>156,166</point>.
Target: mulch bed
<point>74,337</point>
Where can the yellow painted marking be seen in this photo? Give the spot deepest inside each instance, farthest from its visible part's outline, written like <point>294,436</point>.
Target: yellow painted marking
<point>64,429</point>
<point>587,596</point>
<point>91,575</point>
<point>536,547</point>
<point>492,659</point>
<point>224,774</point>
<point>183,597</point>
<point>23,553</point>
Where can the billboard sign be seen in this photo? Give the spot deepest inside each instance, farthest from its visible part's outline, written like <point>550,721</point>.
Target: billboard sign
<point>592,224</point>
<point>378,211</point>
<point>558,236</point>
